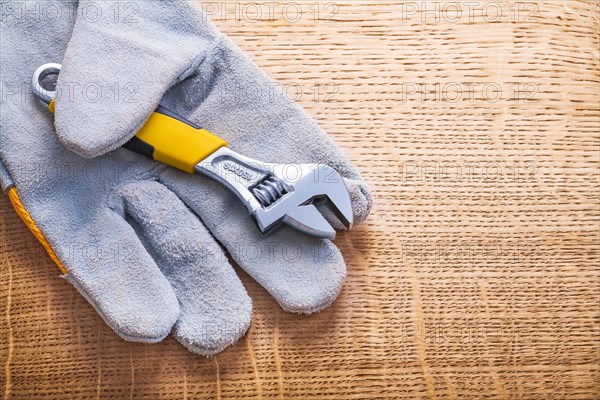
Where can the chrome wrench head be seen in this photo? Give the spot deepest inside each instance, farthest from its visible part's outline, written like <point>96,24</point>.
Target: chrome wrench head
<point>288,194</point>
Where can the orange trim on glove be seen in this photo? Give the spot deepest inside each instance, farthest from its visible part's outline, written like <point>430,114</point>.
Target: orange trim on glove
<point>30,223</point>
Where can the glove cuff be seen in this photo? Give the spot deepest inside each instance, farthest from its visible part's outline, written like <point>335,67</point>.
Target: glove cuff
<point>22,212</point>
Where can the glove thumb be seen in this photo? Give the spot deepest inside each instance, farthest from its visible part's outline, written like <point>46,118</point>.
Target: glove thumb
<point>121,59</point>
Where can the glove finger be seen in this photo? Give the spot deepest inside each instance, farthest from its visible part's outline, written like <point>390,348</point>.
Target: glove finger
<point>215,308</point>
<point>119,62</point>
<point>110,267</point>
<point>303,274</point>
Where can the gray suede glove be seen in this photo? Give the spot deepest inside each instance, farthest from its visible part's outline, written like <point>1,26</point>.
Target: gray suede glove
<point>138,239</point>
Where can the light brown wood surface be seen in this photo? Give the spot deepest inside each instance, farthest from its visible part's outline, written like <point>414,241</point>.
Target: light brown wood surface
<point>477,274</point>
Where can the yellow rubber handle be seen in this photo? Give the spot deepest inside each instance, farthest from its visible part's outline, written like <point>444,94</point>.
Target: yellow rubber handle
<point>175,142</point>
<point>172,140</point>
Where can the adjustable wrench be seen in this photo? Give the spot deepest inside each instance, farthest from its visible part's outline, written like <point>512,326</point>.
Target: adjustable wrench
<point>273,194</point>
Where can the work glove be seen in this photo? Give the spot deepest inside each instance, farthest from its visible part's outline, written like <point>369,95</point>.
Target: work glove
<point>145,244</point>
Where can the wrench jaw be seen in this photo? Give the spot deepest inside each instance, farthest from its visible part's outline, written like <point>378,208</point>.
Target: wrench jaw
<point>334,194</point>
<point>319,185</point>
<point>309,185</point>
<point>308,219</point>
<point>276,194</point>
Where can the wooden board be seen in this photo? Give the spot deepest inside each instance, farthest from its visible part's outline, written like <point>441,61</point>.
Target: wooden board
<point>476,276</point>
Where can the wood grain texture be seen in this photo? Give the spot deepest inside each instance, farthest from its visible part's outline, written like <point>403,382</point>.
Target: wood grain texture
<point>476,276</point>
